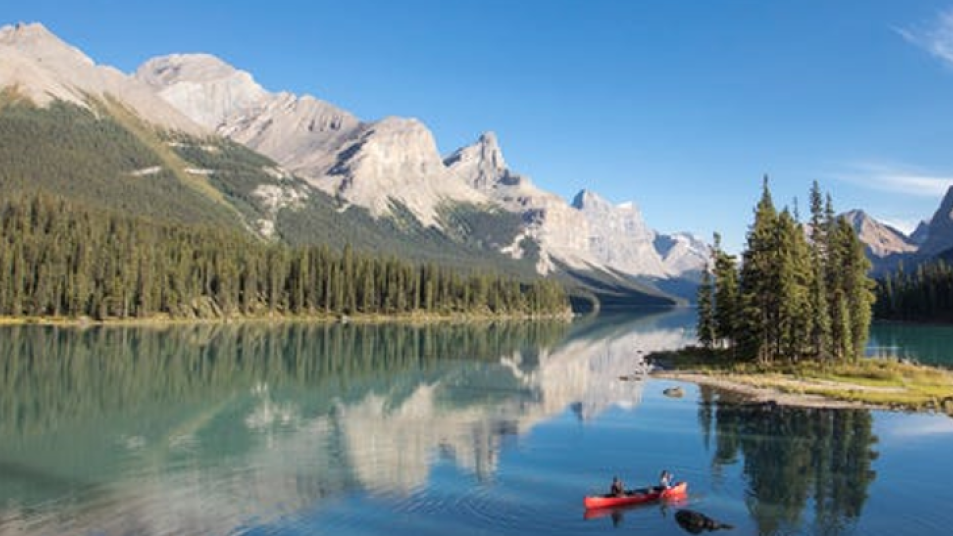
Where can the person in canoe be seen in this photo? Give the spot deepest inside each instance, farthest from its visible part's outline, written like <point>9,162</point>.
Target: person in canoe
<point>617,489</point>
<point>666,479</point>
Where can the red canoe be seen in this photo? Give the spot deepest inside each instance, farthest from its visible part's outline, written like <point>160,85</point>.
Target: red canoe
<point>636,496</point>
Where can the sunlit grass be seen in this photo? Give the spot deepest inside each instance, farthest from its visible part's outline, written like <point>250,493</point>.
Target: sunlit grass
<point>877,382</point>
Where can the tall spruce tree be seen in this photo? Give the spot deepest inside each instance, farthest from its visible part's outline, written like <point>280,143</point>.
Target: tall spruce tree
<point>794,274</point>
<point>706,314</point>
<point>726,295</point>
<point>759,292</point>
<point>858,289</point>
<point>820,336</point>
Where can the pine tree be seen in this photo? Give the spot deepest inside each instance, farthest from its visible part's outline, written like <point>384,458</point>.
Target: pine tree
<point>858,290</point>
<point>727,299</point>
<point>794,274</point>
<point>706,314</point>
<point>758,315</point>
<point>820,337</point>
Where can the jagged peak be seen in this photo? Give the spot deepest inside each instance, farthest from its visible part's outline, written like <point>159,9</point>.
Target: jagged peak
<point>920,234</point>
<point>394,122</point>
<point>36,41</point>
<point>583,198</point>
<point>193,67</point>
<point>482,165</point>
<point>859,220</point>
<point>588,200</point>
<point>202,86</point>
<point>856,215</point>
<point>485,153</point>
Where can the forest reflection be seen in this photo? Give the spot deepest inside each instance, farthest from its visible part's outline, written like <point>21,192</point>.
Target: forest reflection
<point>112,427</point>
<point>52,375</point>
<point>793,459</point>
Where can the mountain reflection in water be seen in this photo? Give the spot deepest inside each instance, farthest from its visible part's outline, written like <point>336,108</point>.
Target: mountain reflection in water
<point>198,429</point>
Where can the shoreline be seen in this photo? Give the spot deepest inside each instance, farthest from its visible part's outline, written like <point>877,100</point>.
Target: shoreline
<point>890,384</point>
<point>766,394</point>
<point>361,319</point>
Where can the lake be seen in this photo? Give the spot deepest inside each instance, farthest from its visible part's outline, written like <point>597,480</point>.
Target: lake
<point>497,428</point>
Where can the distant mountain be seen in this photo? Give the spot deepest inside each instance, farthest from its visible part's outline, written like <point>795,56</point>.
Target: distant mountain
<point>920,234</point>
<point>880,239</point>
<point>889,248</point>
<point>378,164</point>
<point>939,232</point>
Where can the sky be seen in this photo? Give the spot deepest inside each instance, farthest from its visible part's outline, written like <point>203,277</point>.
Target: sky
<point>680,106</point>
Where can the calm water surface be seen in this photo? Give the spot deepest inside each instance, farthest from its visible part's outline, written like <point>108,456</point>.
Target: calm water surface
<point>366,430</point>
<point>929,344</point>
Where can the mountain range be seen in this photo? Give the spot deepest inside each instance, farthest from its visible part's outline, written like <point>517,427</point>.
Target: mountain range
<point>211,145</point>
<point>189,138</point>
<point>889,248</point>
<point>396,160</point>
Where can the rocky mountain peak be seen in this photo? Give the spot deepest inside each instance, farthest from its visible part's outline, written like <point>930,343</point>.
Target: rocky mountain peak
<point>395,159</point>
<point>43,68</point>
<point>202,86</point>
<point>163,71</point>
<point>618,236</point>
<point>626,214</point>
<point>35,41</point>
<point>882,240</point>
<point>481,165</point>
<point>589,200</point>
<point>940,232</point>
<point>920,234</point>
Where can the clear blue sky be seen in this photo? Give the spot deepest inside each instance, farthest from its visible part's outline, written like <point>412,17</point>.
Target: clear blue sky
<point>678,105</point>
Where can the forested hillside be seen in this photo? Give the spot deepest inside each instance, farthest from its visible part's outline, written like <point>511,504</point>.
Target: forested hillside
<point>923,293</point>
<point>98,160</point>
<point>65,260</point>
<point>110,160</point>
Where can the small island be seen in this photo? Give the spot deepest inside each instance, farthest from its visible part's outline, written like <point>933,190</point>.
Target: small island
<point>790,325</point>
<point>870,383</point>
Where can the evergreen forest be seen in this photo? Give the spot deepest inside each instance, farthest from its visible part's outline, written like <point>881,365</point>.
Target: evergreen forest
<point>922,294</point>
<point>62,259</point>
<point>801,292</point>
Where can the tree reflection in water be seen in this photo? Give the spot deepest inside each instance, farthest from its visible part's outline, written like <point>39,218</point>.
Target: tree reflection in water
<point>794,458</point>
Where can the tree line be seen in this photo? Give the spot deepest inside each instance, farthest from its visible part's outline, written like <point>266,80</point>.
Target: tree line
<point>801,291</point>
<point>925,293</point>
<point>63,260</point>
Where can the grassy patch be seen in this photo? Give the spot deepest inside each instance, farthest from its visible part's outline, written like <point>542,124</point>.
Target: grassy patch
<point>877,382</point>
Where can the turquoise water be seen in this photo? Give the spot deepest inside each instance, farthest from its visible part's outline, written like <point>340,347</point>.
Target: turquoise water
<point>928,344</point>
<point>364,430</point>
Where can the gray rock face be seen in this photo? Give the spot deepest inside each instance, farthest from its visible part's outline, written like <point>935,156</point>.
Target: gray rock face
<point>881,240</point>
<point>43,68</point>
<point>395,159</point>
<point>618,236</point>
<point>940,231</point>
<point>301,133</point>
<point>371,164</point>
<point>590,231</point>
<point>683,254</point>
<point>481,165</point>
<point>921,233</point>
<point>368,164</point>
<point>202,86</point>
<point>561,231</point>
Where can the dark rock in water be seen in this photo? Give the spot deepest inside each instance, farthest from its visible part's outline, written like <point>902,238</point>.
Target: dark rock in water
<point>697,522</point>
<point>674,392</point>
